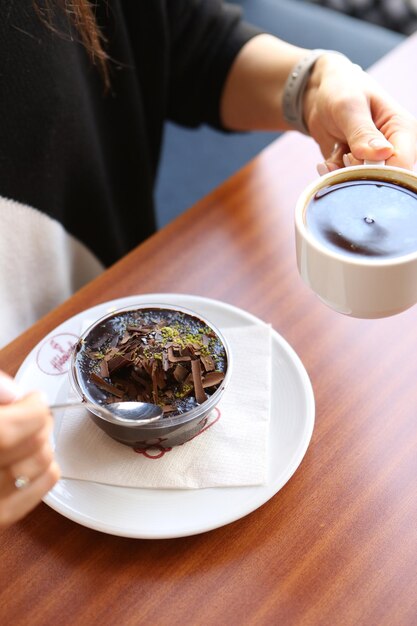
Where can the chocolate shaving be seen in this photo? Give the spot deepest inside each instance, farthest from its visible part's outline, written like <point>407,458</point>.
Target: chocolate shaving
<point>155,386</point>
<point>200,395</point>
<point>213,378</point>
<point>180,373</point>
<point>104,369</point>
<point>140,379</point>
<point>176,359</point>
<point>116,363</point>
<point>189,379</point>
<point>160,378</point>
<point>208,362</point>
<point>102,384</point>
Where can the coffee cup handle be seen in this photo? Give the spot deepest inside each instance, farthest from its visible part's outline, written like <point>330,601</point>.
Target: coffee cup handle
<point>367,162</point>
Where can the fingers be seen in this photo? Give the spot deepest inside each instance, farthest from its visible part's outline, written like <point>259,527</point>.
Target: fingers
<point>18,502</point>
<point>398,126</point>
<point>35,470</point>
<point>30,467</point>
<point>359,109</point>
<point>15,425</point>
<point>25,448</point>
<point>382,131</point>
<point>9,390</point>
<point>363,137</point>
<point>334,161</point>
<point>347,106</point>
<point>27,467</point>
<point>405,154</point>
<point>399,151</point>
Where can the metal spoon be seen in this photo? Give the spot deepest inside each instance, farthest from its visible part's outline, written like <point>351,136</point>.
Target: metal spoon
<point>139,412</point>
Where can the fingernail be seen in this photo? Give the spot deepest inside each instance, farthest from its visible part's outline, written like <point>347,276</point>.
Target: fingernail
<point>9,389</point>
<point>322,169</point>
<point>346,160</point>
<point>331,166</point>
<point>378,143</point>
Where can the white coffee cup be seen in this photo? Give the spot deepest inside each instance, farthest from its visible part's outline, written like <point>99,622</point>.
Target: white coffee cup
<point>354,284</point>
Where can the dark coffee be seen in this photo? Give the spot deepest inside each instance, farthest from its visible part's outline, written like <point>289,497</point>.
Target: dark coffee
<point>372,218</point>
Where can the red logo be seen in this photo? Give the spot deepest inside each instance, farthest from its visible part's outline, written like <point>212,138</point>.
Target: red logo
<point>156,451</point>
<point>55,353</point>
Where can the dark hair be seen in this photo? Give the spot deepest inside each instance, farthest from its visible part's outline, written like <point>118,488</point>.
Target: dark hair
<point>81,14</point>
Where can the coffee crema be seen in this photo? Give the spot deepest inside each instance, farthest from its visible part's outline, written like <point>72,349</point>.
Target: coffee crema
<point>366,217</point>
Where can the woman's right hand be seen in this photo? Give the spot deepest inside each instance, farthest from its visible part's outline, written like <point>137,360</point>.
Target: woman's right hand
<point>26,456</point>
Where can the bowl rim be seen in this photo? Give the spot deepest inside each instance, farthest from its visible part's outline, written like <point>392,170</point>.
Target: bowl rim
<point>197,412</point>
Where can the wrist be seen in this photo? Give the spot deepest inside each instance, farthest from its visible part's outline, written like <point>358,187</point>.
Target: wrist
<point>304,77</point>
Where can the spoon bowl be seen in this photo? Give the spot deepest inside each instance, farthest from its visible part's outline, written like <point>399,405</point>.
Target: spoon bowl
<point>115,412</point>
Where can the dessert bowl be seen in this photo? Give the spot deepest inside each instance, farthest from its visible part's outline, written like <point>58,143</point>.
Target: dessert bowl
<point>155,353</point>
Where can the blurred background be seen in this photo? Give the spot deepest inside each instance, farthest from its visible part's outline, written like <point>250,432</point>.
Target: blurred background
<point>398,15</point>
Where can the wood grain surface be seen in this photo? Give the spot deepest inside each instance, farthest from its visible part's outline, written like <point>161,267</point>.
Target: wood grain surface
<point>338,544</point>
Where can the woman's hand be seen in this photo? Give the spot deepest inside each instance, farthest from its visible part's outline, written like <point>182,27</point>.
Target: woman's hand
<point>353,119</point>
<point>27,466</point>
<point>345,110</point>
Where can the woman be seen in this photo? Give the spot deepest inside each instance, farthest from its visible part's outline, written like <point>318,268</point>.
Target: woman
<point>81,128</point>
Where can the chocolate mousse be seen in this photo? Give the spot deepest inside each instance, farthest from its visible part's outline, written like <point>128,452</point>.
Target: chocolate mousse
<point>157,355</point>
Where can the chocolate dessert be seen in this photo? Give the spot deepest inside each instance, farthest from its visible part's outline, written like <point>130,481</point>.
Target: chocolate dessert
<point>157,355</point>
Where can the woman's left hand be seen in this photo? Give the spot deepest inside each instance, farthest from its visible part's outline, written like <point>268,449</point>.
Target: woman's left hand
<point>353,119</point>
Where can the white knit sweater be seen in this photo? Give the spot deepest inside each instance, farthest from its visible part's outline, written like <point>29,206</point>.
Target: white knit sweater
<point>40,266</point>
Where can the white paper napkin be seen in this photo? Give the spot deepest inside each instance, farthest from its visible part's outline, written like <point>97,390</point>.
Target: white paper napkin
<point>232,451</point>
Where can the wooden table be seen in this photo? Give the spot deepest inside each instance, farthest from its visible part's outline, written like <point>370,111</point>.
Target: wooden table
<point>338,544</point>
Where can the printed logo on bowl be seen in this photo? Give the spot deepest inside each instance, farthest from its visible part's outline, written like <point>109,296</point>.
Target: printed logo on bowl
<point>53,357</point>
<point>156,451</point>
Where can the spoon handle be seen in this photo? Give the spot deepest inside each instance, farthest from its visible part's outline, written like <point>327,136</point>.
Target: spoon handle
<point>68,405</point>
<point>143,412</point>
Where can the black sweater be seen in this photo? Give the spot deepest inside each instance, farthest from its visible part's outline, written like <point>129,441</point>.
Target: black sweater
<point>88,158</point>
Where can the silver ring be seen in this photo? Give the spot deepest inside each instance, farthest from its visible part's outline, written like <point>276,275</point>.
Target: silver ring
<point>21,482</point>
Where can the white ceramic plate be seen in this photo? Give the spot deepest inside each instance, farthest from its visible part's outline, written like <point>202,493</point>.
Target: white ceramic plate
<point>159,514</point>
